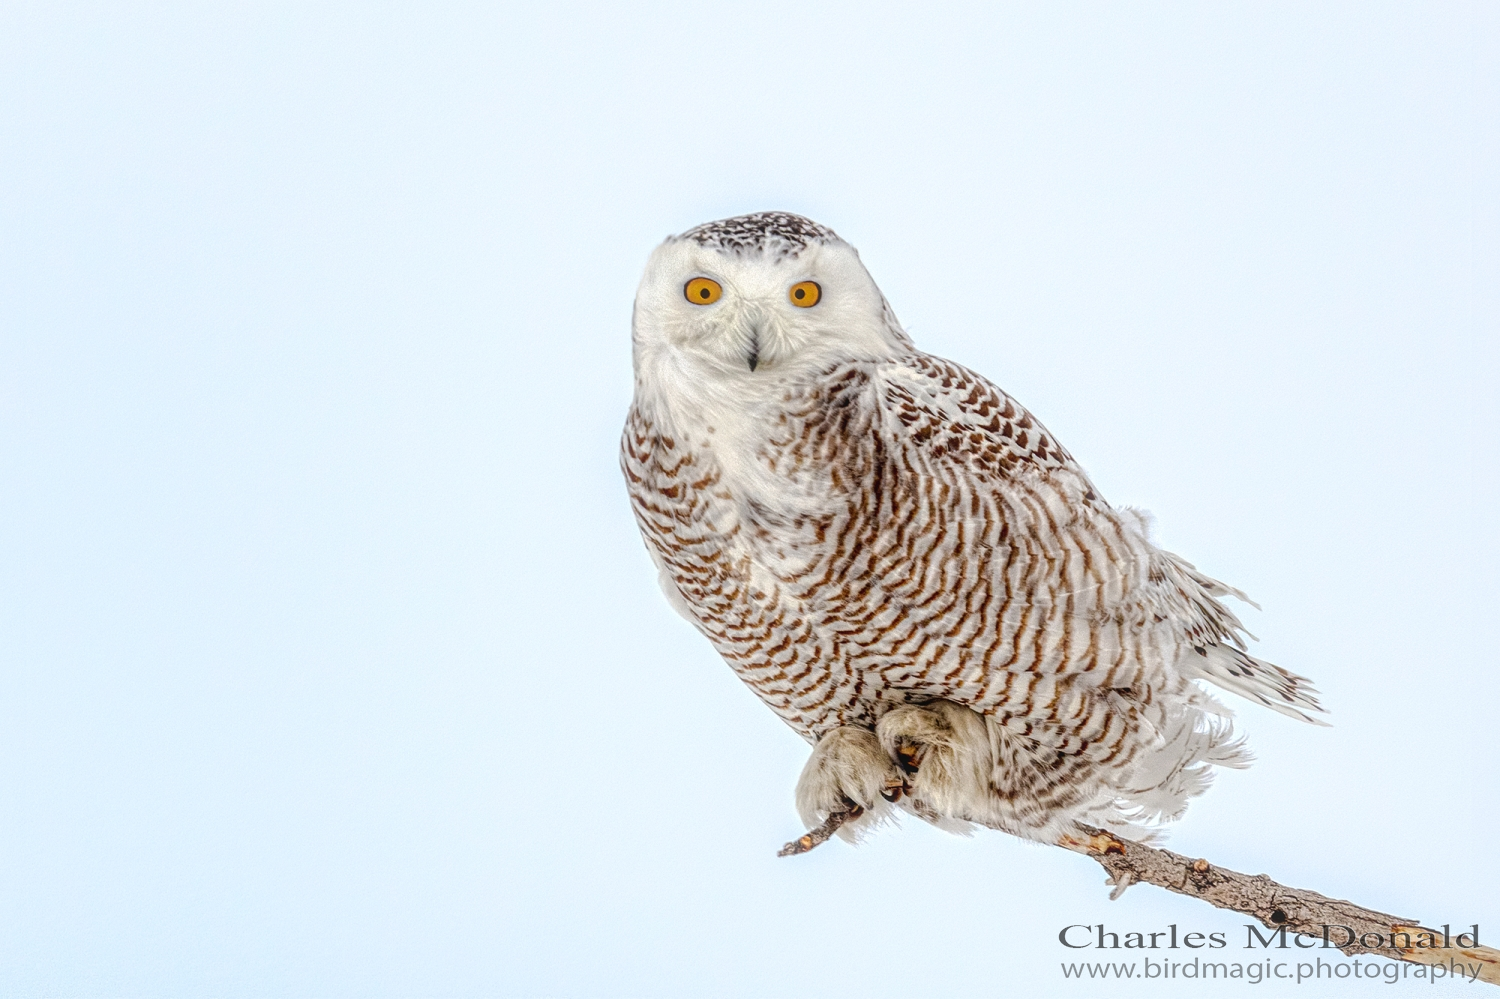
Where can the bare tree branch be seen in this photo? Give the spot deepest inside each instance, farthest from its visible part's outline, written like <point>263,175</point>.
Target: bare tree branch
<point>1351,928</point>
<point>819,836</point>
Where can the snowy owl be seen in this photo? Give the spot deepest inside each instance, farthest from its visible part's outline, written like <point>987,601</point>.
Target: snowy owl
<point>905,565</point>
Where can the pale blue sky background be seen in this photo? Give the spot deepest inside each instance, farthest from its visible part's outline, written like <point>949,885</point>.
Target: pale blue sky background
<point>331,663</point>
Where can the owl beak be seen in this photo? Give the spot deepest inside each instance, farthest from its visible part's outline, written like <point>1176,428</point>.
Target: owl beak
<point>755,350</point>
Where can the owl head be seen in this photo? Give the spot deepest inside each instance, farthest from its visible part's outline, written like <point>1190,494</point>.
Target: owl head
<point>752,301</point>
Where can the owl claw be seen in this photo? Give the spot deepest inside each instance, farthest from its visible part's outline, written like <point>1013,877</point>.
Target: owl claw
<point>909,757</point>
<point>893,790</point>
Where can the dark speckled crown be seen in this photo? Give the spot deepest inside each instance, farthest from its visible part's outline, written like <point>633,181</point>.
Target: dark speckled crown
<point>780,233</point>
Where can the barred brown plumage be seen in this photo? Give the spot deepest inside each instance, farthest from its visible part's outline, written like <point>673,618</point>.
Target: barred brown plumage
<point>906,566</point>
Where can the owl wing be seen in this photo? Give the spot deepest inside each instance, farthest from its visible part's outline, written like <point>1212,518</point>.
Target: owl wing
<point>1054,582</point>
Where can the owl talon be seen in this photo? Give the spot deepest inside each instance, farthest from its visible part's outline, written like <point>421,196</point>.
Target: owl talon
<point>909,758</point>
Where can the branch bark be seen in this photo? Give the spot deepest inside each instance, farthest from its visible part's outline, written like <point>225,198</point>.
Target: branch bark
<point>1294,910</point>
<point>820,835</point>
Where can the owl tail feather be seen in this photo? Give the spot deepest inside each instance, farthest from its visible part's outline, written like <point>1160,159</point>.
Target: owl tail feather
<point>1238,671</point>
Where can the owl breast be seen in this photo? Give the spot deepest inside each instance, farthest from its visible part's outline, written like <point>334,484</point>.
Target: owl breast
<point>840,572</point>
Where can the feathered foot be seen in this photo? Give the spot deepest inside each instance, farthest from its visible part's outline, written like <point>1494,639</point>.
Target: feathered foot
<point>848,775</point>
<point>943,751</point>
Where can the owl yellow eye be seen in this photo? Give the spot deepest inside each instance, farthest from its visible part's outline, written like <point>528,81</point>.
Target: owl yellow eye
<point>805,294</point>
<point>702,291</point>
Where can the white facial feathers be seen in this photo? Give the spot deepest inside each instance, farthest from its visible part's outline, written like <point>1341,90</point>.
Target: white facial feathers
<point>752,336</point>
